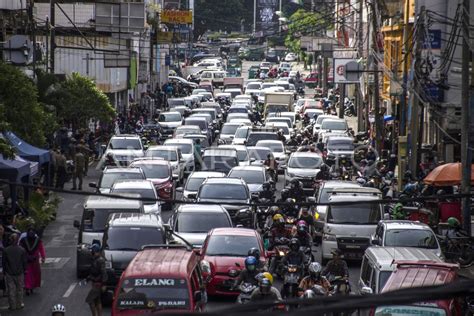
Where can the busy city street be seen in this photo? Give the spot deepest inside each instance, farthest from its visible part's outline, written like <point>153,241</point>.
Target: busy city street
<point>224,157</point>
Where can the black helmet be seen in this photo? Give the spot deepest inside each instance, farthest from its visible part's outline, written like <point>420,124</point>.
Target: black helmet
<point>285,193</point>
<point>254,252</point>
<point>295,183</point>
<point>266,186</point>
<point>324,168</point>
<point>294,244</point>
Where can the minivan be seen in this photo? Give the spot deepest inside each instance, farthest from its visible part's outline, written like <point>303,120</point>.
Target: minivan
<point>95,215</point>
<point>221,160</point>
<point>378,263</point>
<point>165,278</point>
<point>124,235</point>
<point>349,226</point>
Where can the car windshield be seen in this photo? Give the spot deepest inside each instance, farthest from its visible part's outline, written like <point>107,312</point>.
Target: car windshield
<point>194,183</point>
<point>187,130</point>
<point>185,148</point>
<point>249,176</point>
<point>401,310</point>
<point>334,125</point>
<point>169,117</point>
<point>254,86</point>
<point>280,120</point>
<point>230,246</point>
<point>420,238</point>
<point>197,222</point>
<point>242,132</point>
<point>255,137</point>
<point>340,145</point>
<point>109,178</point>
<point>94,220</point>
<point>237,110</point>
<point>201,123</point>
<point>242,155</point>
<point>305,162</point>
<point>259,154</point>
<point>132,238</point>
<point>153,171</point>
<point>356,214</point>
<point>175,102</point>
<point>169,155</point>
<point>229,129</point>
<point>218,163</point>
<point>274,146</point>
<point>145,193</point>
<point>140,294</point>
<point>122,143</point>
<point>321,119</point>
<point>223,192</point>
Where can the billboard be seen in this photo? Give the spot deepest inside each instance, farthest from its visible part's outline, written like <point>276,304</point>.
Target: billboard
<point>267,20</point>
<point>177,16</point>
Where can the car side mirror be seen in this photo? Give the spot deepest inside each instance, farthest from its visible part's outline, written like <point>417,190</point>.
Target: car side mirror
<point>192,196</point>
<point>182,160</point>
<point>366,290</point>
<point>375,242</point>
<point>197,296</point>
<point>179,189</point>
<point>103,147</point>
<point>92,185</point>
<point>76,224</point>
<point>175,177</point>
<point>252,159</point>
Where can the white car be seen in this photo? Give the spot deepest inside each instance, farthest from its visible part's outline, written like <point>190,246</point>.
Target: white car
<point>186,147</point>
<point>291,57</point>
<point>285,67</point>
<point>125,149</point>
<point>241,134</point>
<point>303,166</point>
<point>278,150</point>
<point>242,153</point>
<point>145,188</point>
<point>171,154</point>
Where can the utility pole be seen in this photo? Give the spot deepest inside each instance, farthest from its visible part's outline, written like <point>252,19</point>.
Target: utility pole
<point>360,48</point>
<point>254,17</point>
<point>342,86</point>
<point>406,43</point>
<point>376,92</point>
<point>32,25</point>
<point>52,17</point>
<point>466,156</point>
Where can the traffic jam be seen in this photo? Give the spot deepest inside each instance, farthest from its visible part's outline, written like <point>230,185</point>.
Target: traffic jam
<point>254,189</point>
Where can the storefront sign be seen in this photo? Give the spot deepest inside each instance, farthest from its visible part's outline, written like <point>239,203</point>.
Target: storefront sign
<point>177,17</point>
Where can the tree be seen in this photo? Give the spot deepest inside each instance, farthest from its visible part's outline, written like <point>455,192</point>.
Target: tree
<point>77,99</point>
<point>20,110</point>
<point>302,23</point>
<point>218,15</point>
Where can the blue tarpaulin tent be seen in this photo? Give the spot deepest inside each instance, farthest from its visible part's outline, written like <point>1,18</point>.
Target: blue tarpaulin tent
<point>15,171</point>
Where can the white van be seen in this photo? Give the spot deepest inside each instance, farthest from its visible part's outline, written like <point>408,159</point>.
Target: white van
<point>95,216</point>
<point>378,264</point>
<point>216,77</point>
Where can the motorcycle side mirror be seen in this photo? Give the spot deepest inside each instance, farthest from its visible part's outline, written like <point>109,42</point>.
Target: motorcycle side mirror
<point>386,216</point>
<point>366,290</point>
<point>93,185</point>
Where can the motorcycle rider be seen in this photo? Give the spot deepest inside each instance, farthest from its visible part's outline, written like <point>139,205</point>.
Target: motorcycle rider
<point>281,136</point>
<point>265,292</point>
<point>323,173</point>
<point>296,190</point>
<point>110,160</point>
<point>302,234</point>
<point>254,252</point>
<point>292,142</point>
<point>248,275</point>
<point>314,278</point>
<point>295,256</point>
<point>337,266</point>
<point>267,191</point>
<point>272,165</point>
<point>278,230</point>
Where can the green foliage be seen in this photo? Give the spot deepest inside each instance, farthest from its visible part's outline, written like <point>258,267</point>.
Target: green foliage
<point>215,15</point>
<point>301,23</point>
<point>41,211</point>
<point>20,110</point>
<point>77,99</point>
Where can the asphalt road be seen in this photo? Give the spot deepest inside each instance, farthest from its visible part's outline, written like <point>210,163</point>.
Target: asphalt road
<point>60,284</point>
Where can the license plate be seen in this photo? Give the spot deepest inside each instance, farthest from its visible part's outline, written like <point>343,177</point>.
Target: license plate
<point>228,283</point>
<point>352,247</point>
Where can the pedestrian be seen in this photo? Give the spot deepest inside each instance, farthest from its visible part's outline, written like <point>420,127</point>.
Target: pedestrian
<point>61,169</point>
<point>14,264</point>
<point>35,253</point>
<point>87,152</point>
<point>52,166</point>
<point>79,169</point>
<point>197,154</point>
<point>97,277</point>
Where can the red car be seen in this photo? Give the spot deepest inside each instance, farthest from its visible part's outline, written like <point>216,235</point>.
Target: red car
<point>222,249</point>
<point>159,172</point>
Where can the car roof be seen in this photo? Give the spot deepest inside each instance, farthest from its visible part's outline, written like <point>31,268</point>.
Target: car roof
<point>427,274</point>
<point>149,161</point>
<point>162,262</point>
<point>270,141</point>
<point>178,141</point>
<point>231,181</point>
<point>133,184</point>
<point>334,120</point>
<point>255,148</point>
<point>339,137</point>
<point>171,112</point>
<point>230,231</point>
<point>207,174</point>
<point>97,201</point>
<point>213,151</point>
<point>339,184</point>
<point>121,170</point>
<point>356,191</point>
<point>248,168</point>
<point>385,257</point>
<point>404,224</point>
<point>207,208</point>
<point>162,147</point>
<point>236,147</point>
<point>305,154</point>
<point>135,219</point>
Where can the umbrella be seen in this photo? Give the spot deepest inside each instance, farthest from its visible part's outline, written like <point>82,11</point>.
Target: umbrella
<point>446,175</point>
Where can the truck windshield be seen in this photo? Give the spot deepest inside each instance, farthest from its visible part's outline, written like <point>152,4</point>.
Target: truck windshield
<point>133,144</point>
<point>94,220</point>
<point>356,214</point>
<point>132,238</point>
<point>230,246</point>
<point>153,294</point>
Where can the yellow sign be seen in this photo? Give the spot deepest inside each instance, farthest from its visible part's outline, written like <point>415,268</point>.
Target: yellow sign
<point>177,17</point>
<point>164,37</point>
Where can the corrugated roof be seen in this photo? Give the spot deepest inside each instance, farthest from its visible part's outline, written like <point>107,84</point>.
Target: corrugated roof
<point>165,262</point>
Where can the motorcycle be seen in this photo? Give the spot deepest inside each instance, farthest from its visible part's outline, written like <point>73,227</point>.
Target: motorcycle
<point>291,281</point>
<point>281,249</point>
<point>349,108</point>
<point>300,91</point>
<point>263,212</point>
<point>339,285</point>
<point>246,290</point>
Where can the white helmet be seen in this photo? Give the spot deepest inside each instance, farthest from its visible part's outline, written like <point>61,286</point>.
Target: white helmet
<point>59,308</point>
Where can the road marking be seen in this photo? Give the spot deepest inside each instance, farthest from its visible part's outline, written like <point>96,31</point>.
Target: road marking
<point>69,290</point>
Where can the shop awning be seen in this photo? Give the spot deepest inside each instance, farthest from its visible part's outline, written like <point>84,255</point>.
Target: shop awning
<point>34,166</point>
<point>13,170</point>
<point>26,150</point>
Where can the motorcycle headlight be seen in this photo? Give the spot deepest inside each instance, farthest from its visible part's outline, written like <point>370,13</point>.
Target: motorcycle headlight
<point>205,266</point>
<point>292,269</point>
<point>281,253</point>
<point>329,237</point>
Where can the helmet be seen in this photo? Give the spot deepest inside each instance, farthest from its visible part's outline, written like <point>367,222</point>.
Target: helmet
<point>336,252</point>
<point>294,183</point>
<point>265,286</point>
<point>304,210</point>
<point>299,137</point>
<point>58,308</point>
<point>94,247</point>
<point>408,175</point>
<point>301,226</point>
<point>440,192</point>
<point>277,217</point>
<point>314,269</point>
<point>271,182</point>
<point>294,244</point>
<point>453,222</point>
<point>361,181</point>
<point>284,194</point>
<point>410,188</point>
<point>390,175</point>
<point>250,263</point>
<point>268,276</point>
<point>266,186</point>
<point>275,210</point>
<point>324,168</point>
<point>311,199</point>
<point>254,252</point>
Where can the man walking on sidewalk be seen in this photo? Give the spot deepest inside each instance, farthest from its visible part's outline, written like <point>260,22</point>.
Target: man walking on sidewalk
<point>79,169</point>
<point>14,265</point>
